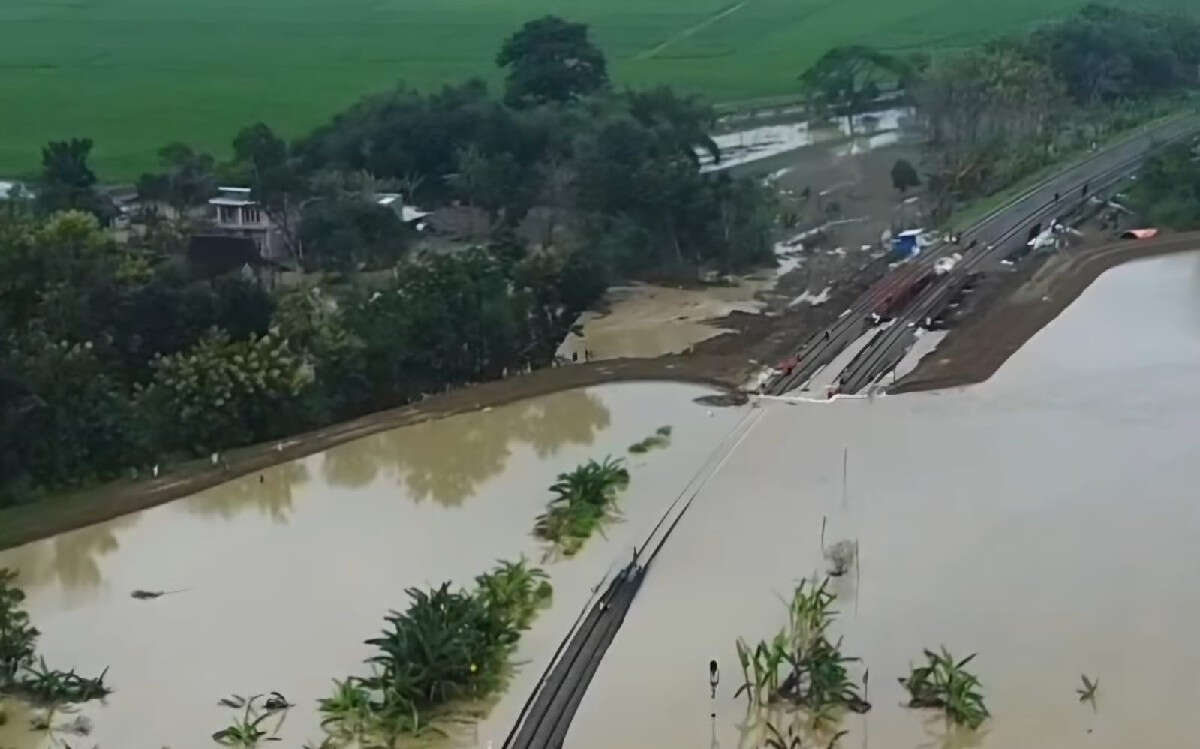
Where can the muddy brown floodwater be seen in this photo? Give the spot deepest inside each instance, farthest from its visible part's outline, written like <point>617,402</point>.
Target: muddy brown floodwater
<point>282,579</point>
<point>1046,519</point>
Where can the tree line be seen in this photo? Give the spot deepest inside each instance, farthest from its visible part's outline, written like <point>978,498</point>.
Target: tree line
<point>1001,112</point>
<point>996,113</point>
<point>117,357</point>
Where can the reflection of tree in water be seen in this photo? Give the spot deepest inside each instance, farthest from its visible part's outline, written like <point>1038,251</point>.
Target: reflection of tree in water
<point>944,734</point>
<point>447,459</point>
<point>754,732</point>
<point>71,558</point>
<point>272,496</point>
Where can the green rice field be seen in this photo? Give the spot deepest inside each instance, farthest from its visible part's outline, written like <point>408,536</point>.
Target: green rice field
<point>135,74</point>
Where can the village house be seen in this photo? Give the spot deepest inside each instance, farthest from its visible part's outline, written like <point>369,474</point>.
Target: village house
<point>235,213</point>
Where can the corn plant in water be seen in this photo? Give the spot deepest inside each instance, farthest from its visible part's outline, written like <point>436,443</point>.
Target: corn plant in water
<point>801,664</point>
<point>583,500</point>
<point>946,684</point>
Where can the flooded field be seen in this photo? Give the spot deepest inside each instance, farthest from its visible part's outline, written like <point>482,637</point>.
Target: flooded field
<point>647,320</point>
<point>280,577</point>
<point>1046,519</point>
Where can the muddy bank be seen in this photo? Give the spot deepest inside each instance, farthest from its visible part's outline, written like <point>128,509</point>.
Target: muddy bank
<point>975,350</point>
<point>312,553</point>
<point>38,520</point>
<point>725,361</point>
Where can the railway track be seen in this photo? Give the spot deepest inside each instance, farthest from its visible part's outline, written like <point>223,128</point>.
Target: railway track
<point>547,714</point>
<point>992,238</point>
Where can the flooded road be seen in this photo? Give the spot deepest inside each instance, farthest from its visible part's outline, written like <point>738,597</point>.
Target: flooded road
<point>282,577</point>
<point>1046,519</point>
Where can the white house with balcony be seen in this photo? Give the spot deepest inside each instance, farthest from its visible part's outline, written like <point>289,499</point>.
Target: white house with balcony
<point>236,213</point>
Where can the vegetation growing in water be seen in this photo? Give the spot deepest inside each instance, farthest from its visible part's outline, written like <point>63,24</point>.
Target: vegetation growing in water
<point>800,664</point>
<point>1087,693</point>
<point>946,684</point>
<point>660,438</point>
<point>584,498</point>
<point>21,672</point>
<point>446,646</point>
<point>245,730</point>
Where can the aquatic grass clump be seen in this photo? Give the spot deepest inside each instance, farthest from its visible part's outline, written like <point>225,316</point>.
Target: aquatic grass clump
<point>447,646</point>
<point>584,499</point>
<point>245,730</point>
<point>946,684</point>
<point>22,673</point>
<point>660,438</point>
<point>801,664</point>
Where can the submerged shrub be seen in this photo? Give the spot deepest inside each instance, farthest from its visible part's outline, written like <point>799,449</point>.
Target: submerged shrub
<point>584,499</point>
<point>24,674</point>
<point>448,645</point>
<point>945,683</point>
<point>18,637</point>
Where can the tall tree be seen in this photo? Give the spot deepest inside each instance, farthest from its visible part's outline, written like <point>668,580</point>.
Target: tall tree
<point>275,181</point>
<point>550,60</point>
<point>848,78</point>
<point>68,183</point>
<point>683,120</point>
<point>187,178</point>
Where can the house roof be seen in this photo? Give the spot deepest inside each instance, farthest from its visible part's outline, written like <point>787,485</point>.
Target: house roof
<point>232,196</point>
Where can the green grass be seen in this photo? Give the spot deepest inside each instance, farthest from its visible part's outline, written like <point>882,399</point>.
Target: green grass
<point>135,74</point>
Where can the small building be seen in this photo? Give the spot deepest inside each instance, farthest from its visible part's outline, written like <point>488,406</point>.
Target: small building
<point>237,214</point>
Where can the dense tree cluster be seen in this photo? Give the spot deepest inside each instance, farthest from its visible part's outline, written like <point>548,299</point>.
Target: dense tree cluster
<point>107,372</point>
<point>117,356</point>
<point>1107,53</point>
<point>1167,192</point>
<point>1000,112</point>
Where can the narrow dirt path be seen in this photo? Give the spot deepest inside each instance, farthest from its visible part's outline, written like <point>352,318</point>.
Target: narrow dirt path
<point>691,30</point>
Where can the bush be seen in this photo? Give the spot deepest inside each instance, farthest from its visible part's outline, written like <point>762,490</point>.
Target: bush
<point>945,683</point>
<point>224,392</point>
<point>447,645</point>
<point>21,672</point>
<point>585,498</point>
